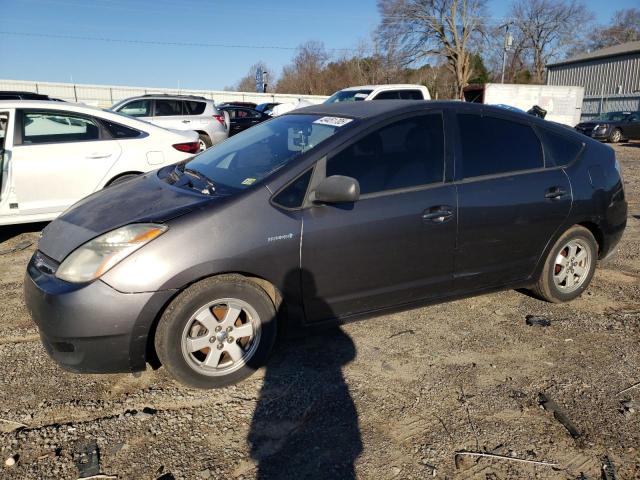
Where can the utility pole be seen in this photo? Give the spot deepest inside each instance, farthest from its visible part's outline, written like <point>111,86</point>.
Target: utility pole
<point>508,41</point>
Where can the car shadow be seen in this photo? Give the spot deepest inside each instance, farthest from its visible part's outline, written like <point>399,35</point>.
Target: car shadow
<point>8,232</point>
<point>631,144</point>
<point>305,424</point>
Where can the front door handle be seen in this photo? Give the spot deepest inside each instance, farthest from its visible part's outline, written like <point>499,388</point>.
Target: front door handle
<point>99,155</point>
<point>186,121</point>
<point>553,193</point>
<point>438,214</point>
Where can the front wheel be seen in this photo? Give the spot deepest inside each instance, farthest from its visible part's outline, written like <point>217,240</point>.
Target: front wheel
<point>569,267</point>
<point>217,332</point>
<point>615,136</point>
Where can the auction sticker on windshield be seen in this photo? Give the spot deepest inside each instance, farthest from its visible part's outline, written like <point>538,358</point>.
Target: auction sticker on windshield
<point>333,121</point>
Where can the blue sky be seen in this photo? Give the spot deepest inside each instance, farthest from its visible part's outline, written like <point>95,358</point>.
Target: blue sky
<point>282,23</point>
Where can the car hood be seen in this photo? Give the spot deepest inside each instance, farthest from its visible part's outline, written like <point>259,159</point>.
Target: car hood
<point>144,199</point>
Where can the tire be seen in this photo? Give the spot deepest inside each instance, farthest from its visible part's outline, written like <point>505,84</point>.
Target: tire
<point>615,136</point>
<point>204,141</point>
<point>207,355</point>
<point>122,179</point>
<point>560,283</point>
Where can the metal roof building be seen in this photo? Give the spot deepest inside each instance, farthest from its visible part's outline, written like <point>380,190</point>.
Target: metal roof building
<point>610,76</point>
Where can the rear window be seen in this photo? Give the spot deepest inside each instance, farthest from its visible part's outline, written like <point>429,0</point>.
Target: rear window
<point>168,108</point>
<point>492,145</point>
<point>120,131</point>
<point>389,95</point>
<point>194,108</point>
<point>559,150</point>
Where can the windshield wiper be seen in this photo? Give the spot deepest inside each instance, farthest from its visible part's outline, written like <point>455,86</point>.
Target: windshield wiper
<point>183,177</point>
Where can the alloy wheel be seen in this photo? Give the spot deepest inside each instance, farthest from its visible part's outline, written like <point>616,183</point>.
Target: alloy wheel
<point>221,337</point>
<point>572,266</point>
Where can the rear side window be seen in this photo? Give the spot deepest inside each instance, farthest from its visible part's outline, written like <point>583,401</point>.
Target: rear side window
<point>137,108</point>
<point>404,154</point>
<point>559,150</point>
<point>293,195</point>
<point>389,95</point>
<point>167,108</point>
<point>411,95</point>
<point>53,127</point>
<point>492,145</point>
<point>194,108</point>
<point>120,131</point>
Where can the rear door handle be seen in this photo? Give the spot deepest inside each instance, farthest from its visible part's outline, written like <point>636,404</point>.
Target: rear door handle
<point>438,214</point>
<point>186,121</point>
<point>99,155</point>
<point>554,192</point>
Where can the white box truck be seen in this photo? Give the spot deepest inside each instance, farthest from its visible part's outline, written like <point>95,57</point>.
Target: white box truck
<point>562,103</point>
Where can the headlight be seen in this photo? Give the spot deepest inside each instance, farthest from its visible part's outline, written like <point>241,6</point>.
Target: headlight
<point>97,256</point>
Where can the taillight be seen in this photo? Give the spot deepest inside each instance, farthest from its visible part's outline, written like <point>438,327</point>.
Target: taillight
<point>189,147</point>
<point>220,118</point>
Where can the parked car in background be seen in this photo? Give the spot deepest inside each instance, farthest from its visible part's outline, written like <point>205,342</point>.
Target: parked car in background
<point>179,112</point>
<point>267,107</point>
<point>14,95</point>
<point>612,127</point>
<point>403,203</point>
<point>238,104</point>
<point>55,153</point>
<point>241,118</point>
<point>380,92</point>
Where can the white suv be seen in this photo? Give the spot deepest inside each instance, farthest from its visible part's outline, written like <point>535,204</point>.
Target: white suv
<point>380,92</point>
<point>179,112</point>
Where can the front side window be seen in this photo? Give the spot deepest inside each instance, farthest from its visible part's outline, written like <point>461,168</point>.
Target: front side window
<point>245,159</point>
<point>612,117</point>
<point>405,154</point>
<point>168,108</point>
<point>492,145</point>
<point>137,108</point>
<point>293,195</point>
<point>53,127</point>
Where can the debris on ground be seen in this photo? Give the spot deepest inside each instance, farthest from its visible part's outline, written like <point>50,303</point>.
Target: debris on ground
<point>537,321</point>
<point>558,413</point>
<point>500,457</point>
<point>17,247</point>
<point>608,470</point>
<point>11,461</point>
<point>630,388</point>
<point>629,407</point>
<point>87,458</point>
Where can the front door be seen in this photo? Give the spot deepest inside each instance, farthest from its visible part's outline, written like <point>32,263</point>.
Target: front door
<point>510,205</point>
<point>60,158</point>
<point>395,245</point>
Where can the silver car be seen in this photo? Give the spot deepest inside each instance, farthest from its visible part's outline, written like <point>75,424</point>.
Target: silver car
<point>180,112</point>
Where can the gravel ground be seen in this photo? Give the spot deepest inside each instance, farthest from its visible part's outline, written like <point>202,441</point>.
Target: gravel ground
<point>390,397</point>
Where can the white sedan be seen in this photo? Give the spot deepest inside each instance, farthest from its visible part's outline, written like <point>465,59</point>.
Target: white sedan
<point>52,154</point>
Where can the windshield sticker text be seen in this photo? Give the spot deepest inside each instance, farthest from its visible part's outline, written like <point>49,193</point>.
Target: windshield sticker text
<point>333,121</point>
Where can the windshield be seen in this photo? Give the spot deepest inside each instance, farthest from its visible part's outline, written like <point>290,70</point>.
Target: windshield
<point>252,155</point>
<point>348,96</point>
<point>612,117</point>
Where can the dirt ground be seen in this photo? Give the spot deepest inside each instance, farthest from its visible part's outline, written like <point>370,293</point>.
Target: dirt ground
<point>392,397</point>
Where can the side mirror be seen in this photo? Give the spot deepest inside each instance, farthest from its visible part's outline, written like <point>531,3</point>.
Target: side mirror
<point>336,189</point>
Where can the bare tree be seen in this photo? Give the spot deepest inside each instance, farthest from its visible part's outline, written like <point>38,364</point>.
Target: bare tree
<point>624,27</point>
<point>304,73</point>
<point>420,29</point>
<point>549,28</point>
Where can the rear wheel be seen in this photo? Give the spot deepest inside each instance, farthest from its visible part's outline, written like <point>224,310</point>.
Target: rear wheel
<point>217,332</point>
<point>615,136</point>
<point>204,141</point>
<point>569,267</point>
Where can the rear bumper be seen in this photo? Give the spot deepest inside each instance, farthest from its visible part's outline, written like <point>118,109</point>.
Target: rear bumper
<point>91,328</point>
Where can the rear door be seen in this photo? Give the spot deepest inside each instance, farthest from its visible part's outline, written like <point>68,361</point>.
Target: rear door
<point>243,118</point>
<point>59,158</point>
<point>510,205</point>
<point>5,149</point>
<point>395,245</point>
<point>168,113</point>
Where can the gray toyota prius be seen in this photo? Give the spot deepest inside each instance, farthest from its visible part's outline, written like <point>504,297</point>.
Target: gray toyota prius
<point>329,213</point>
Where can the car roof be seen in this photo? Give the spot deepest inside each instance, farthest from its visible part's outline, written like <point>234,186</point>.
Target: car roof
<point>363,110</point>
<point>385,86</point>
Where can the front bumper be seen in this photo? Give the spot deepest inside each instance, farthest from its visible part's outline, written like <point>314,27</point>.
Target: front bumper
<point>595,134</point>
<point>91,328</point>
